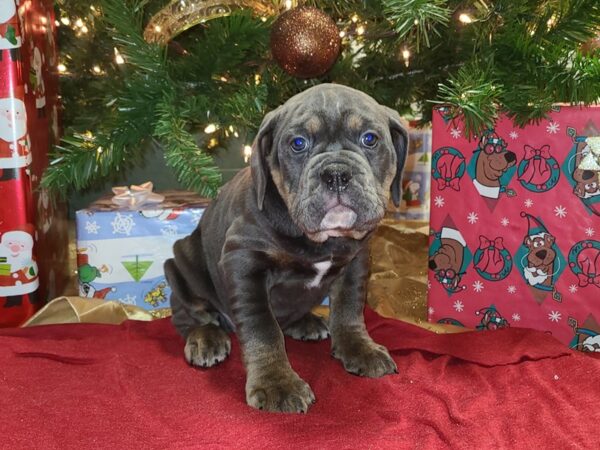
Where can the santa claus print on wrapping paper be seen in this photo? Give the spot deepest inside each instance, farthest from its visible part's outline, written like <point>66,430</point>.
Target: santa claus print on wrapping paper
<point>14,138</point>
<point>584,261</point>
<point>585,182</point>
<point>10,31</point>
<point>492,167</point>
<point>540,260</point>
<point>449,257</point>
<point>18,269</point>
<point>36,80</point>
<point>538,170</point>
<point>447,168</point>
<point>492,261</point>
<point>587,336</point>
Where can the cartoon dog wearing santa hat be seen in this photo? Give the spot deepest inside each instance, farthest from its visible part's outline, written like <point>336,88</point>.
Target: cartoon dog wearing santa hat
<point>492,162</point>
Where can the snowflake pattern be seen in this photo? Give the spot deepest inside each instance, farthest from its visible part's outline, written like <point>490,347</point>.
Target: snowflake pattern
<point>553,128</point>
<point>573,288</point>
<point>504,222</point>
<point>511,289</point>
<point>516,317</point>
<point>473,217</point>
<point>554,316</point>
<point>128,299</point>
<point>478,286</point>
<point>169,230</point>
<point>513,135</point>
<point>560,211</point>
<point>455,132</point>
<point>590,231</point>
<point>458,306</point>
<point>528,203</point>
<point>123,224</point>
<point>439,201</point>
<point>92,227</point>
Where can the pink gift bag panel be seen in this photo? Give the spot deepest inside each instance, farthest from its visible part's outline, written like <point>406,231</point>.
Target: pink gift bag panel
<point>515,226</point>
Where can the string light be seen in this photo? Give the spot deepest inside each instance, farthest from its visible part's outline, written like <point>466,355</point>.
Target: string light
<point>65,21</point>
<point>84,29</point>
<point>551,21</point>
<point>465,18</point>
<point>257,79</point>
<point>57,23</point>
<point>118,57</point>
<point>61,68</point>
<point>79,23</point>
<point>212,143</point>
<point>157,28</point>
<point>354,18</point>
<point>236,134</point>
<point>44,20</point>
<point>210,128</point>
<point>406,56</point>
<point>342,34</point>
<point>247,153</point>
<point>97,69</point>
<point>288,4</point>
<point>99,150</point>
<point>264,19</point>
<point>231,128</point>
<point>223,79</point>
<point>360,30</point>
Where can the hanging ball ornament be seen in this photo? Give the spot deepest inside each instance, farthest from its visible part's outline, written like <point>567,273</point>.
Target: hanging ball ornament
<point>305,42</point>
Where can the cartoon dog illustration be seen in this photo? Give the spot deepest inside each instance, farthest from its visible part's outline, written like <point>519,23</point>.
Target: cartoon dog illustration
<point>493,160</point>
<point>587,182</point>
<point>540,259</point>
<point>586,337</point>
<point>447,262</point>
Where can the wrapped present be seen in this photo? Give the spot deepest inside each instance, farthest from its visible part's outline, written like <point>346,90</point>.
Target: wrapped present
<point>515,226</point>
<point>414,204</point>
<point>123,241</point>
<point>33,231</point>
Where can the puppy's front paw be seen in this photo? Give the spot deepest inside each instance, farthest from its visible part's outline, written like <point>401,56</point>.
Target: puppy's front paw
<point>207,346</point>
<point>362,356</point>
<point>309,328</point>
<point>278,391</point>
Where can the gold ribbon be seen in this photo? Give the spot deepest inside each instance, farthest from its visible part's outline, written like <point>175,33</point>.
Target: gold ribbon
<point>136,195</point>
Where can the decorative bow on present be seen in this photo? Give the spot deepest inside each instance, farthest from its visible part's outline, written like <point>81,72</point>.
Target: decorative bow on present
<point>585,280</point>
<point>453,183</point>
<point>136,196</point>
<point>538,166</point>
<point>491,260</point>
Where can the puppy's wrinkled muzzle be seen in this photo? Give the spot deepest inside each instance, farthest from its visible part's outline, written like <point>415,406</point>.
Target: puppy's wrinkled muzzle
<point>338,217</point>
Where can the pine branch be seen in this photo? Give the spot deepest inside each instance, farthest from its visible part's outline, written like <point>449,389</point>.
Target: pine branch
<point>416,19</point>
<point>194,169</point>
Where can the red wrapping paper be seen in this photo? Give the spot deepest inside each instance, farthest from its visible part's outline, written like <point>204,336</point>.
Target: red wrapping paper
<point>33,240</point>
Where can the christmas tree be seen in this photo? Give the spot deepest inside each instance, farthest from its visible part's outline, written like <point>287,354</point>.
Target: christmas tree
<point>187,75</point>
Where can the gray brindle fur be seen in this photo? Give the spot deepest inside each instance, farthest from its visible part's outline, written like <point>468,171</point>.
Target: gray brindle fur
<point>283,234</point>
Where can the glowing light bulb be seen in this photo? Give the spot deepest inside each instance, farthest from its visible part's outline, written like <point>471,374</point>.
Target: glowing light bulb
<point>118,57</point>
<point>97,69</point>
<point>57,23</point>
<point>257,79</point>
<point>84,29</point>
<point>288,4</point>
<point>44,20</point>
<point>406,56</point>
<point>79,23</point>
<point>223,79</point>
<point>157,29</point>
<point>551,21</point>
<point>342,34</point>
<point>210,128</point>
<point>99,150</point>
<point>465,18</point>
<point>264,19</point>
<point>416,22</point>
<point>247,153</point>
<point>360,30</point>
<point>354,18</point>
<point>61,68</point>
<point>236,134</point>
<point>65,21</point>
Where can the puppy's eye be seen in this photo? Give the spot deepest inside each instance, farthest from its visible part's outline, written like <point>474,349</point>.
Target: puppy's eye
<point>369,140</point>
<point>299,144</point>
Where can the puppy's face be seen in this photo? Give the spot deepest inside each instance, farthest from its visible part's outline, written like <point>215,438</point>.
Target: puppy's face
<point>541,253</point>
<point>334,155</point>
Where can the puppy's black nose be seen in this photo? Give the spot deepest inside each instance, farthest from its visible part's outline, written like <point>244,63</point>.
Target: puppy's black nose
<point>510,157</point>
<point>432,264</point>
<point>587,174</point>
<point>336,178</point>
<point>541,254</point>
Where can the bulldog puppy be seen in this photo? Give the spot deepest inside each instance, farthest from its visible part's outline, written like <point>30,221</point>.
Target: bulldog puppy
<point>540,259</point>
<point>286,232</point>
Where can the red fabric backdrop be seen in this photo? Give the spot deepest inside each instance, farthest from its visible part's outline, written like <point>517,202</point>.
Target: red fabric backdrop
<point>102,386</point>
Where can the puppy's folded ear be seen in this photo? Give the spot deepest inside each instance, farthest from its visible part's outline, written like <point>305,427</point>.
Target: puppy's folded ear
<point>261,148</point>
<point>400,141</point>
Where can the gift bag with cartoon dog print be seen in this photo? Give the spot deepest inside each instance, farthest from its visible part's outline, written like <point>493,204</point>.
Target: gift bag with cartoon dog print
<point>515,226</point>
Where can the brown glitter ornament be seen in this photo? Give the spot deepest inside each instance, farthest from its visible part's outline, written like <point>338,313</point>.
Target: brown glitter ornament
<point>305,42</point>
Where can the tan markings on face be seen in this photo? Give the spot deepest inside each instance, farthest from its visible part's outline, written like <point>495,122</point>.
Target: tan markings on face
<point>355,122</point>
<point>313,125</point>
<point>287,196</point>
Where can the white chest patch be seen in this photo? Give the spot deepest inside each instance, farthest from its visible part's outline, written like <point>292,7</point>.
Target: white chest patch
<point>321,268</point>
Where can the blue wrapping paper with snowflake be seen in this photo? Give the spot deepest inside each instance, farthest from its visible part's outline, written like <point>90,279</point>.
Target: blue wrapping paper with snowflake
<point>515,226</point>
<point>121,247</point>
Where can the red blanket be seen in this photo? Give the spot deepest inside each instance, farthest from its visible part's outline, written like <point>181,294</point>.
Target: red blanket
<point>103,386</point>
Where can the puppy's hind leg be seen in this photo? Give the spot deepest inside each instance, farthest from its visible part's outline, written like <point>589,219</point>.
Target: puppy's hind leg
<point>194,317</point>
